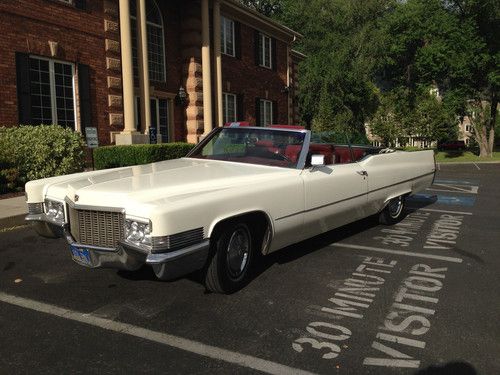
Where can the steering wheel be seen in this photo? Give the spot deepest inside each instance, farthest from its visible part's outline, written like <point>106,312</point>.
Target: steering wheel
<point>283,157</point>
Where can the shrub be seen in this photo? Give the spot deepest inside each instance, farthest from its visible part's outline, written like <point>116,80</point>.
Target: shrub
<point>33,152</point>
<point>125,155</point>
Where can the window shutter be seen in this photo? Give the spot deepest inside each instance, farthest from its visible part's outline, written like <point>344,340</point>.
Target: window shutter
<point>274,65</point>
<point>257,112</point>
<point>237,39</point>
<point>258,47</point>
<point>23,87</point>
<point>81,4</point>
<point>84,94</point>
<point>240,107</point>
<point>275,113</point>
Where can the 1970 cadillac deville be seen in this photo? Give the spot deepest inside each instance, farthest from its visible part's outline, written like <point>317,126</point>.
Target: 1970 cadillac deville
<point>240,191</point>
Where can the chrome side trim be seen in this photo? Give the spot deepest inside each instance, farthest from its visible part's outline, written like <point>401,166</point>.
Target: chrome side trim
<point>173,255</point>
<point>43,217</point>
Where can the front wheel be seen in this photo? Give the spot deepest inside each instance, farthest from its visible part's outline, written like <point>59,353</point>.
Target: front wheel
<point>393,212</point>
<point>232,253</point>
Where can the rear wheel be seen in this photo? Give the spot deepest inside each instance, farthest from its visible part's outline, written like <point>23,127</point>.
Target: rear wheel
<point>232,253</point>
<point>393,212</point>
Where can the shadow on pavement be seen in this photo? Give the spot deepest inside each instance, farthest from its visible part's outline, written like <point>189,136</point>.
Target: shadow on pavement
<point>451,368</point>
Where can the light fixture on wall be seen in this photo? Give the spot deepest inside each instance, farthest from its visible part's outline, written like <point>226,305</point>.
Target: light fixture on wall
<point>285,90</point>
<point>181,98</point>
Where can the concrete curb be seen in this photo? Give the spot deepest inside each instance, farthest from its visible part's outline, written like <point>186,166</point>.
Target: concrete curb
<point>12,221</point>
<point>468,162</point>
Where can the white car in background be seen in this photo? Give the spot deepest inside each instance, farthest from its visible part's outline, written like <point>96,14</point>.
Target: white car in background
<point>242,190</point>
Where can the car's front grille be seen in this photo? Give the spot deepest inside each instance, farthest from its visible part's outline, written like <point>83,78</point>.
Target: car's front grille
<point>96,228</point>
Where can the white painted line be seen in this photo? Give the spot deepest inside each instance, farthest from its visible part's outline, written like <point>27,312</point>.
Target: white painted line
<point>155,336</point>
<point>477,166</point>
<point>445,211</point>
<point>399,252</point>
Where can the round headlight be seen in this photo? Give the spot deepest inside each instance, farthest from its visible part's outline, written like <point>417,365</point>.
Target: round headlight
<point>137,232</point>
<point>54,210</point>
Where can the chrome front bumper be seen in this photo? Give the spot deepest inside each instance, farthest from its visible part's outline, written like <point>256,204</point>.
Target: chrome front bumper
<point>178,262</point>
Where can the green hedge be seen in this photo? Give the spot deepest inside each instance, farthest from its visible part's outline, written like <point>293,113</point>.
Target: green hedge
<point>33,152</point>
<point>122,156</point>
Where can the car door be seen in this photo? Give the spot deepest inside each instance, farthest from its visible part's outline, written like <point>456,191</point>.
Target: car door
<point>335,195</point>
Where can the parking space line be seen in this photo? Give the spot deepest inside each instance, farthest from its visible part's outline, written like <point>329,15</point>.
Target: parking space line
<point>445,211</point>
<point>155,336</point>
<point>477,166</point>
<point>398,252</point>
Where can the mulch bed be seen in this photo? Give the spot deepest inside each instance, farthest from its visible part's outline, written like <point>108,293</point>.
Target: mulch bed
<point>11,195</point>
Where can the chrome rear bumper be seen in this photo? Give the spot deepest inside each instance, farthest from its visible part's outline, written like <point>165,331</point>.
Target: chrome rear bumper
<point>178,262</point>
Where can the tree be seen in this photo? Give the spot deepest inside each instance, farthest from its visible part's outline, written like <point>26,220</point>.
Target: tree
<point>485,16</point>
<point>268,8</point>
<point>341,41</point>
<point>435,42</point>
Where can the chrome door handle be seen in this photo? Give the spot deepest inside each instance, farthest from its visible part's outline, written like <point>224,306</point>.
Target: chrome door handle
<point>362,173</point>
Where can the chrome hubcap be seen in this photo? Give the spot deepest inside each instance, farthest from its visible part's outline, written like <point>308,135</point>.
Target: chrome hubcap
<point>395,207</point>
<point>237,252</point>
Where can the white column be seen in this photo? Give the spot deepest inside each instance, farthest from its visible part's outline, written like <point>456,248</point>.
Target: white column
<point>142,57</point>
<point>127,70</point>
<point>218,63</point>
<point>205,63</point>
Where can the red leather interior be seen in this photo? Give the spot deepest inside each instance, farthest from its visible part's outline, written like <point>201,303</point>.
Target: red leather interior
<point>292,152</point>
<point>342,154</point>
<point>265,143</point>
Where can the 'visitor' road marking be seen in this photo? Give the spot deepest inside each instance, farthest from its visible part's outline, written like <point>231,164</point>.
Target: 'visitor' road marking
<point>399,252</point>
<point>155,336</point>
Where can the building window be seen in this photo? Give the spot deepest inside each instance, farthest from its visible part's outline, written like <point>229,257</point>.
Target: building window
<point>229,107</point>
<point>468,128</point>
<point>265,51</point>
<point>52,92</point>
<point>155,38</point>
<point>227,36</point>
<point>160,116</point>
<point>266,112</point>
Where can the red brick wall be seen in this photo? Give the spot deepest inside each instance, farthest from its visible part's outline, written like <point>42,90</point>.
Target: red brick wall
<point>245,77</point>
<point>27,26</point>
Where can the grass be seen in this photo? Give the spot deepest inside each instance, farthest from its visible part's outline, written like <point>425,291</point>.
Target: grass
<point>464,156</point>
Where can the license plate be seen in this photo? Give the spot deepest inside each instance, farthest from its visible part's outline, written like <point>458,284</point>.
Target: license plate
<point>81,255</point>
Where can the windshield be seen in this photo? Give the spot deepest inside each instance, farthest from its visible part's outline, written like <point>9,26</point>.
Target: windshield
<point>265,146</point>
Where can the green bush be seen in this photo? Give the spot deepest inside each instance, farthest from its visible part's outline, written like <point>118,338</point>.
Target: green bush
<point>33,152</point>
<point>122,156</point>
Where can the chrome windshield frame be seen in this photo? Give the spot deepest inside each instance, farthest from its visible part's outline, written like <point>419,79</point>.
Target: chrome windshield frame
<point>301,161</point>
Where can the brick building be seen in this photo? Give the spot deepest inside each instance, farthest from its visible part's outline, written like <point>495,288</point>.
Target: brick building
<point>83,64</point>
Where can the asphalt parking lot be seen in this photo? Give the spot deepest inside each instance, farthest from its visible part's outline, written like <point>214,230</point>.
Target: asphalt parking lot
<point>421,297</point>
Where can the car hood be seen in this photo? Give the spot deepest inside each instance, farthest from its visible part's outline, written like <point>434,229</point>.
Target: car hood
<point>146,184</point>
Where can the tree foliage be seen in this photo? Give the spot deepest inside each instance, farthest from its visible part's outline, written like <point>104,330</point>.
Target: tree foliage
<point>375,61</point>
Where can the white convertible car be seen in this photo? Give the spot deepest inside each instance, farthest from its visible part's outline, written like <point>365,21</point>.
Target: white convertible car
<point>242,190</point>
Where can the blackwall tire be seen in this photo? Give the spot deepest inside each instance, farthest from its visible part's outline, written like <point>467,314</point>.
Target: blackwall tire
<point>394,211</point>
<point>232,253</point>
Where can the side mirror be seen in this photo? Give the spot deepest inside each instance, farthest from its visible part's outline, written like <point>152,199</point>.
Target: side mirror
<point>317,160</point>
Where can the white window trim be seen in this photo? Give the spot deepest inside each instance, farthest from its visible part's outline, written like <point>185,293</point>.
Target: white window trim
<point>170,117</point>
<point>163,39</point>
<point>264,113</point>
<point>262,63</point>
<point>224,49</point>
<point>52,80</point>
<point>225,109</point>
